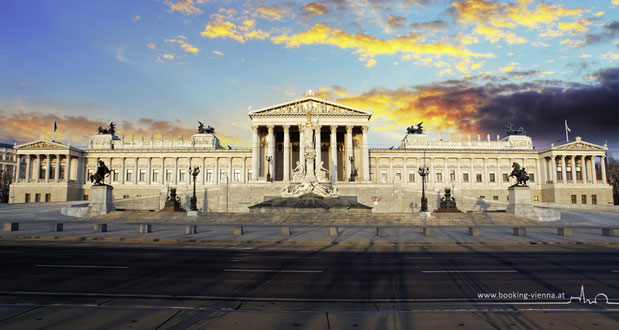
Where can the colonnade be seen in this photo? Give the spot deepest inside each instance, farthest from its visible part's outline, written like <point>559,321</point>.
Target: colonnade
<point>34,167</point>
<point>556,169</point>
<point>362,164</point>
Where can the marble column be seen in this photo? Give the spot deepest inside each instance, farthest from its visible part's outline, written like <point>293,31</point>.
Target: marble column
<point>28,168</point>
<point>243,170</point>
<point>365,154</point>
<point>17,168</point>
<point>333,148</point>
<point>563,170</point>
<point>203,170</point>
<point>603,168</point>
<point>553,170</point>
<point>317,145</point>
<point>162,171</point>
<point>38,169</point>
<point>175,170</point>
<point>122,170</point>
<point>48,167</point>
<point>67,169</point>
<point>593,172</point>
<point>538,170</point>
<point>148,170</point>
<point>57,172</point>
<point>286,153</point>
<point>271,151</point>
<point>188,178</point>
<point>216,174</point>
<point>404,170</point>
<point>302,147</point>
<point>349,151</point>
<point>573,169</point>
<point>255,153</point>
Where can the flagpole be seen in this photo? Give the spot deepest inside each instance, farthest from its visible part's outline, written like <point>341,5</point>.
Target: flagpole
<point>567,138</point>
<point>53,131</point>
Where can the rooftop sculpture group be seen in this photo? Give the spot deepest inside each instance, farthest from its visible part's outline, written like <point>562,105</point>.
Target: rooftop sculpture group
<point>413,130</point>
<point>202,130</point>
<point>110,130</point>
<point>511,131</point>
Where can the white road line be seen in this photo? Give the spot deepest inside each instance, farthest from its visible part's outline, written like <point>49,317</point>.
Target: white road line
<point>270,270</point>
<point>81,266</point>
<point>469,271</point>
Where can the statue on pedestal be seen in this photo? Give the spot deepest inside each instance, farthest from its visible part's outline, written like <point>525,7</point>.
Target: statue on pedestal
<point>99,176</point>
<point>521,175</point>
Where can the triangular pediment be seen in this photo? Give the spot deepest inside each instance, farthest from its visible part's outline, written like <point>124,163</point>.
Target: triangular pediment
<point>310,104</point>
<point>42,144</point>
<point>580,145</point>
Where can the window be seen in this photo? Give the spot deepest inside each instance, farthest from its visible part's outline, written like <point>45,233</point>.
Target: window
<point>209,175</point>
<point>482,197</point>
<point>505,177</point>
<point>398,176</point>
<point>465,177</point>
<point>568,173</point>
<point>115,175</point>
<point>155,175</point>
<point>578,173</point>
<point>559,173</point>
<point>37,198</point>
<point>411,176</point>
<point>85,197</point>
<point>452,177</point>
<point>479,177</point>
<point>129,176</point>
<point>573,199</point>
<point>168,175</point>
<point>237,175</point>
<point>27,198</point>
<point>594,199</point>
<point>492,179</point>
<point>584,199</point>
<point>48,197</point>
<point>535,198</point>
<point>532,177</point>
<point>142,176</point>
<point>181,175</point>
<point>496,198</point>
<point>439,177</point>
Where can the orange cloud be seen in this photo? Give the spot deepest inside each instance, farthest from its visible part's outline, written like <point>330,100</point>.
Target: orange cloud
<point>184,45</point>
<point>272,13</point>
<point>369,46</point>
<point>185,7</point>
<point>222,27</point>
<point>314,8</point>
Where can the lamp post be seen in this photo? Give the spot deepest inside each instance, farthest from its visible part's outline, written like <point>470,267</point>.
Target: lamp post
<point>269,158</point>
<point>423,172</point>
<point>194,200</point>
<point>352,168</point>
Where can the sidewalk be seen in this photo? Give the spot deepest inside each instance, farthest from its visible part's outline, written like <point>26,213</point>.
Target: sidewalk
<point>306,235</point>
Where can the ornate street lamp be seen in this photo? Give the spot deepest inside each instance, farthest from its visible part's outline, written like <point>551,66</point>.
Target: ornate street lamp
<point>352,168</point>
<point>194,199</point>
<point>269,158</point>
<point>423,172</point>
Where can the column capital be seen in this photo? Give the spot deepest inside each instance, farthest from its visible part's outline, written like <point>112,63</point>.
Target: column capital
<point>286,128</point>
<point>333,128</point>
<point>365,129</point>
<point>254,128</point>
<point>349,127</point>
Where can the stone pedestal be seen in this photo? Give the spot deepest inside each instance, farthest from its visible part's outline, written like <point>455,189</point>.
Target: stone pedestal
<point>101,200</point>
<point>520,204</point>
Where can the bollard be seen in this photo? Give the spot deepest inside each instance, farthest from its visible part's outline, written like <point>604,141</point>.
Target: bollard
<point>564,231</point>
<point>428,231</point>
<point>333,232</point>
<point>11,226</point>
<point>100,227</point>
<point>238,230</point>
<point>286,230</point>
<point>474,231</point>
<point>56,226</point>
<point>520,231</point>
<point>191,229</point>
<point>145,229</point>
<point>612,232</point>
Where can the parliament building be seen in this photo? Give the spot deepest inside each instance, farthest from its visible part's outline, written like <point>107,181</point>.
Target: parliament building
<point>232,179</point>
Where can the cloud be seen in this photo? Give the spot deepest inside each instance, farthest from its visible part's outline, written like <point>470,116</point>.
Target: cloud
<point>369,46</point>
<point>221,26</point>
<point>437,25</point>
<point>119,53</point>
<point>313,9</point>
<point>185,7</point>
<point>493,35</point>
<point>609,32</point>
<point>395,22</point>
<point>610,57</point>
<point>463,106</point>
<point>189,48</point>
<point>272,13</point>
<point>580,26</point>
<point>168,56</point>
<point>511,66</point>
<point>22,84</point>
<point>151,45</point>
<point>137,18</point>
<point>218,53</point>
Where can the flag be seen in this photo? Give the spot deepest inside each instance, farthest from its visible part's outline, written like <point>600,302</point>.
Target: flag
<point>567,129</point>
<point>55,126</point>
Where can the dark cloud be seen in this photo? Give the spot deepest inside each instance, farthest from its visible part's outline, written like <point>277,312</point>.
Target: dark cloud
<point>592,111</point>
<point>609,32</point>
<point>437,25</point>
<point>396,22</point>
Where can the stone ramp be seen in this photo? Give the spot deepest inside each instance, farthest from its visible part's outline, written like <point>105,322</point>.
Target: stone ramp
<point>368,219</point>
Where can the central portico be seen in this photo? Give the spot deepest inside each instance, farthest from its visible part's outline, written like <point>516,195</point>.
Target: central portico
<point>340,134</point>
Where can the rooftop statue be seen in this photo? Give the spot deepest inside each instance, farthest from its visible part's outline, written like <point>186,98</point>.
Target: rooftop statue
<point>512,131</point>
<point>521,175</point>
<point>110,130</point>
<point>202,130</point>
<point>413,130</point>
<point>99,176</point>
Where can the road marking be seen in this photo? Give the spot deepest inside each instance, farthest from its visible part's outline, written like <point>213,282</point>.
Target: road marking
<point>81,266</point>
<point>271,270</point>
<point>469,271</point>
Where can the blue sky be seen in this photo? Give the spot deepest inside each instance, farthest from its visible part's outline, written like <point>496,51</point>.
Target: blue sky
<point>463,67</point>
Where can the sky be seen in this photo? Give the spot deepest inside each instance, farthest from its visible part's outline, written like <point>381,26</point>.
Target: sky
<point>464,67</point>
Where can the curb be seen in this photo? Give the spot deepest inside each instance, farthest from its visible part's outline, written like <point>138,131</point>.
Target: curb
<point>311,243</point>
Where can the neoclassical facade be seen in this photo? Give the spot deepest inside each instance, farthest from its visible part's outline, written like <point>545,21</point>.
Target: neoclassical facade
<point>232,179</point>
